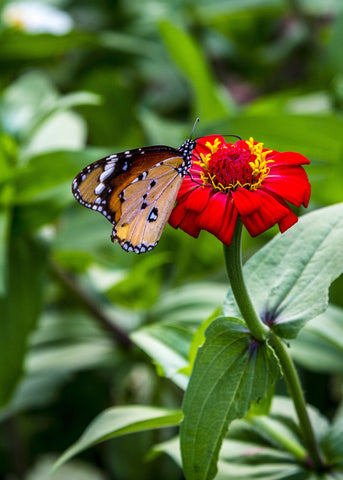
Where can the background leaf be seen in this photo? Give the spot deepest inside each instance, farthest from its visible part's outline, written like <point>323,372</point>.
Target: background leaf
<point>290,277</point>
<point>207,102</point>
<point>20,306</point>
<point>167,344</point>
<point>322,335</point>
<point>120,421</point>
<point>269,447</point>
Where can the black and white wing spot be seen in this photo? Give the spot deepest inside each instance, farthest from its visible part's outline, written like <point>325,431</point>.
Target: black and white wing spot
<point>153,215</point>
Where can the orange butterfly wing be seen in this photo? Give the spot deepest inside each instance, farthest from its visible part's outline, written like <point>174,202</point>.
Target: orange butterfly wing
<point>135,190</point>
<point>147,206</point>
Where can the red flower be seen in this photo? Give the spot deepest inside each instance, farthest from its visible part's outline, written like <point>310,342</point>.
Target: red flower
<point>242,178</point>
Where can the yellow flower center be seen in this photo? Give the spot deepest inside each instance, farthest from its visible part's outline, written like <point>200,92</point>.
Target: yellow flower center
<point>229,166</point>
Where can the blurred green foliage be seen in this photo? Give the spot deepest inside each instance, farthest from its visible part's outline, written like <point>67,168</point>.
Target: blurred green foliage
<point>119,75</point>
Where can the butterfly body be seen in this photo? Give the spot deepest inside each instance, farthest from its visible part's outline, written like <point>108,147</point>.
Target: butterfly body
<point>135,190</point>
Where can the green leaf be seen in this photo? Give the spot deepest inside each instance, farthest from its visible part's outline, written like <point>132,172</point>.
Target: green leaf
<point>64,343</point>
<point>117,421</point>
<point>268,448</point>
<point>20,308</point>
<point>220,9</point>
<point>323,335</point>
<point>170,447</point>
<point>230,372</point>
<point>118,94</point>
<point>35,215</point>
<point>24,100</point>
<point>189,304</point>
<point>60,131</point>
<point>82,234</point>
<point>289,278</point>
<point>167,344</point>
<point>128,44</point>
<point>133,290</point>
<point>56,107</point>
<point>208,103</point>
<point>32,110</point>
<point>198,339</point>
<point>22,46</point>
<point>333,444</point>
<point>35,390</point>
<point>335,42</point>
<point>262,406</point>
<point>48,170</point>
<point>243,460</point>
<point>76,469</point>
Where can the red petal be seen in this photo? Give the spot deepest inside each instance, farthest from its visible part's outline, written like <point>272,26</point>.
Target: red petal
<point>230,219</point>
<point>186,188</point>
<point>188,224</point>
<point>270,212</point>
<point>211,218</point>
<point>201,143</point>
<point>288,221</point>
<point>290,183</point>
<point>178,213</point>
<point>198,199</point>
<point>183,218</point>
<point>246,201</point>
<point>288,158</point>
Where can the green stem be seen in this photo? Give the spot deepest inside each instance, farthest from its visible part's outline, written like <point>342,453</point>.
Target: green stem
<point>295,391</point>
<point>233,258</point>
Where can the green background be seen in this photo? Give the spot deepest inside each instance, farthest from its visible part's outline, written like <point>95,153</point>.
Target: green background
<point>129,74</point>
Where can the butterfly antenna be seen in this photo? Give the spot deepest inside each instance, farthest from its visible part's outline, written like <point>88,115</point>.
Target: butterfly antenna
<point>196,121</point>
<point>231,135</point>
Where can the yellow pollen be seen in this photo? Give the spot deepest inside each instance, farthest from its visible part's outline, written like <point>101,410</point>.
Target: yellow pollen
<point>259,166</point>
<point>213,147</point>
<point>203,163</point>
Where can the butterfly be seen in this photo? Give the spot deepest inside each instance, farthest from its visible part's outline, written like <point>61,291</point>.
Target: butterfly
<point>136,191</point>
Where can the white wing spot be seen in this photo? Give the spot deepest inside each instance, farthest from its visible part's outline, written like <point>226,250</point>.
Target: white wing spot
<point>106,173</point>
<point>109,165</point>
<point>99,189</point>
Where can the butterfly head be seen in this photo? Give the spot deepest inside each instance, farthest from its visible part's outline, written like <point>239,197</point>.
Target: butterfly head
<point>186,150</point>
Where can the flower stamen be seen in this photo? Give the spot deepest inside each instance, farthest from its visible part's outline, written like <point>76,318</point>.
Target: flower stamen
<point>229,166</point>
